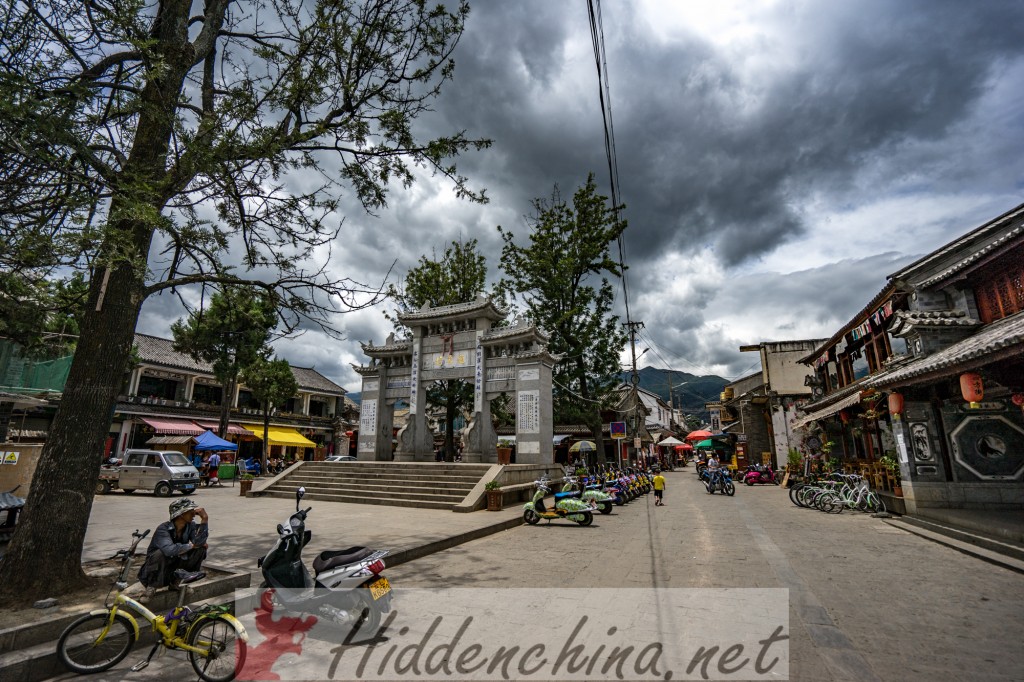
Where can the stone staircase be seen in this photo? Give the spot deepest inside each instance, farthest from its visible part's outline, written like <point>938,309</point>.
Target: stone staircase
<point>428,485</point>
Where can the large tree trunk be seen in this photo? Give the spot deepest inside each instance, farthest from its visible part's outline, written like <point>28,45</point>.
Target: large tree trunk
<point>226,399</point>
<point>45,555</point>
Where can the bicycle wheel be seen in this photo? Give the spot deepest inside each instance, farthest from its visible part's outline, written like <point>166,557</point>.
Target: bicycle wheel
<point>806,495</point>
<point>876,504</point>
<point>223,652</point>
<point>833,503</point>
<point>89,645</point>
<point>794,493</point>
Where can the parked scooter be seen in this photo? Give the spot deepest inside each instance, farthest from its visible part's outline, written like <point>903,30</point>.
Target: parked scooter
<point>757,473</point>
<point>348,588</point>
<point>574,488</point>
<point>568,508</point>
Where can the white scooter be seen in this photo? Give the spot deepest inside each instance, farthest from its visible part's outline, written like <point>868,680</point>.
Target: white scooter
<point>348,588</point>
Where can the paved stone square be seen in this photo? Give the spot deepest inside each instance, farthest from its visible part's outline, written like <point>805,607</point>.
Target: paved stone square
<point>866,600</point>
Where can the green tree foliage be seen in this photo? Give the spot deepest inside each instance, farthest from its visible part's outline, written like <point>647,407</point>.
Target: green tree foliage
<point>561,276</point>
<point>456,277</point>
<point>42,316</point>
<point>272,383</point>
<point>231,334</point>
<point>156,145</point>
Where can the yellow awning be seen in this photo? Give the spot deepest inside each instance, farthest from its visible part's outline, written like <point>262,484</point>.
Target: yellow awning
<point>279,435</point>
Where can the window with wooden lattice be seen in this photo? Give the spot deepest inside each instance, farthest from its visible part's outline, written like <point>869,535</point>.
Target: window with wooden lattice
<point>1000,292</point>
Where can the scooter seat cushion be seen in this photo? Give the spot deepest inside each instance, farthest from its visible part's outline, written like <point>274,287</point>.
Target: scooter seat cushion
<point>562,496</point>
<point>328,560</point>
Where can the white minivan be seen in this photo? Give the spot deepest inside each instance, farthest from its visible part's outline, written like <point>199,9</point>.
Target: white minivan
<point>162,471</point>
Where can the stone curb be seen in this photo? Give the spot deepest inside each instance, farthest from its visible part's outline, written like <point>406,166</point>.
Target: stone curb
<point>30,659</point>
<point>29,653</point>
<point>968,546</point>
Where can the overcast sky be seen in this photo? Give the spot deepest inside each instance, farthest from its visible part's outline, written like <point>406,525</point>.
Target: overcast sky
<point>777,159</point>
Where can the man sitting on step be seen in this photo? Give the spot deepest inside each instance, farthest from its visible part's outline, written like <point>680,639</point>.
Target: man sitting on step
<point>178,543</point>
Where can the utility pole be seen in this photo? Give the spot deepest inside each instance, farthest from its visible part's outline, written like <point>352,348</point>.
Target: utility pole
<point>635,381</point>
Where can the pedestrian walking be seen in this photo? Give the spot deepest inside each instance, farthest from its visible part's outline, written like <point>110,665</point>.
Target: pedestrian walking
<point>659,490</point>
<point>213,465</point>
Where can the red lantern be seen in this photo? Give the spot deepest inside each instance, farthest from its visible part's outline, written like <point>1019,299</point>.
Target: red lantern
<point>896,404</point>
<point>1018,399</point>
<point>844,416</point>
<point>972,388</point>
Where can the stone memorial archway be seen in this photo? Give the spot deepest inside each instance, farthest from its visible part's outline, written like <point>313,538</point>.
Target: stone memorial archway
<point>458,342</point>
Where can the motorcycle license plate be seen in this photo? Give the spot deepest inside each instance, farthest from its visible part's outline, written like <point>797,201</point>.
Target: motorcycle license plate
<point>187,487</point>
<point>379,587</point>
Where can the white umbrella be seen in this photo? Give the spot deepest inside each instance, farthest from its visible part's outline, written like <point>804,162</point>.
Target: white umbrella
<point>671,441</point>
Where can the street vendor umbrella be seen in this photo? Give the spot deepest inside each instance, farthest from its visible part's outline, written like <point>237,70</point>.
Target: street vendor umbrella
<point>583,446</point>
<point>210,441</point>
<point>706,444</point>
<point>684,446</point>
<point>698,435</point>
<point>671,440</point>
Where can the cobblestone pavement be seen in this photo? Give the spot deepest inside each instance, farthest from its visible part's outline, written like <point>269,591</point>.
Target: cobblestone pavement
<point>867,600</point>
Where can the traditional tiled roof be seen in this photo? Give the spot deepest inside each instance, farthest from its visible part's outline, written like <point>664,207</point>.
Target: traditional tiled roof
<point>1010,236</point>
<point>962,243</point>
<point>481,305</point>
<point>1002,338</point>
<point>496,333</point>
<point>390,347</point>
<point>156,351</point>
<point>904,320</point>
<point>312,380</point>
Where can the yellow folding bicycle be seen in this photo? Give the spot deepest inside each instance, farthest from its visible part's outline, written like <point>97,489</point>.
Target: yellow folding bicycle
<point>213,639</point>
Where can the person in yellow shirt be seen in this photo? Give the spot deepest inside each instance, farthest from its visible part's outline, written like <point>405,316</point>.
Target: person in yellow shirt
<point>659,490</point>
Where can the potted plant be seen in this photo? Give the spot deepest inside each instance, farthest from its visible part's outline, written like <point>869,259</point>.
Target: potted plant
<point>793,460</point>
<point>245,483</point>
<point>893,465</point>
<point>504,451</point>
<point>494,496</point>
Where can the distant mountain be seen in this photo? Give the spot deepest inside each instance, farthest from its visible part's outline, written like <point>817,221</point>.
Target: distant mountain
<point>357,398</point>
<point>689,390</point>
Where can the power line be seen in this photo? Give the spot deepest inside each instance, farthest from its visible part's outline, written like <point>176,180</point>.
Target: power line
<point>605,99</point>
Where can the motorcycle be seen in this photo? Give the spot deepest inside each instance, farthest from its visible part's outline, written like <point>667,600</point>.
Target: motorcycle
<point>720,480</point>
<point>760,474</point>
<point>348,587</point>
<point>568,508</point>
<point>586,493</point>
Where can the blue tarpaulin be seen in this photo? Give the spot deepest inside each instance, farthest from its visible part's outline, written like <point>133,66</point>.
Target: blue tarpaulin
<point>210,441</point>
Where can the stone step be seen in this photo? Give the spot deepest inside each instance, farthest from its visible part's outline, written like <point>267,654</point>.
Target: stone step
<point>396,483</point>
<point>361,499</point>
<point>416,484</point>
<point>380,493</point>
<point>357,475</point>
<point>417,467</point>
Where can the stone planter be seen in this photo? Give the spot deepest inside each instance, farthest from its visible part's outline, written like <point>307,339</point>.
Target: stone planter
<point>504,455</point>
<point>494,500</point>
<point>244,486</point>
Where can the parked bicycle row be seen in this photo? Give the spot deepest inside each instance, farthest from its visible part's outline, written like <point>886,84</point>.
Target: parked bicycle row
<point>835,493</point>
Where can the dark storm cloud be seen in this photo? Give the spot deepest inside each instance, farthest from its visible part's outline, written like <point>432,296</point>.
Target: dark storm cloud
<point>706,151</point>
<point>727,153</point>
